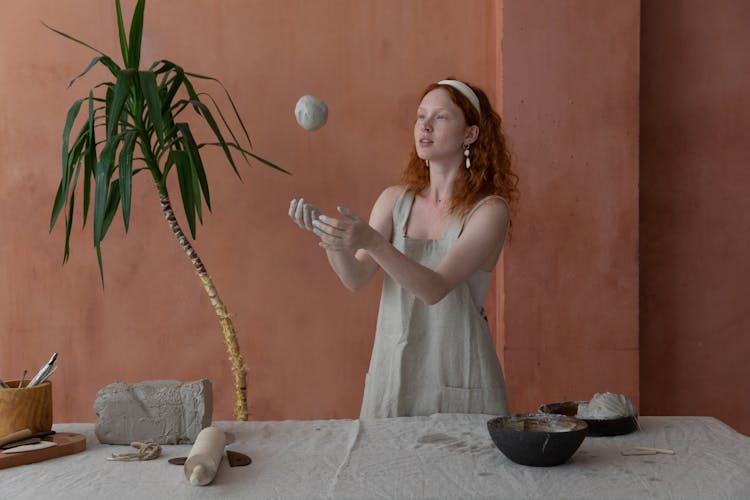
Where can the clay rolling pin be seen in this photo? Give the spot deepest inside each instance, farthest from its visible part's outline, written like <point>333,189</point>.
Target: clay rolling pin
<point>205,456</point>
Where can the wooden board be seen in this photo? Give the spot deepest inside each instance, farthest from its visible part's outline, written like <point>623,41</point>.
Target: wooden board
<point>67,444</point>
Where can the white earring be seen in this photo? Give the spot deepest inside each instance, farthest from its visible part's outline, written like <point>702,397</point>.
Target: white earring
<point>427,163</point>
<point>466,154</point>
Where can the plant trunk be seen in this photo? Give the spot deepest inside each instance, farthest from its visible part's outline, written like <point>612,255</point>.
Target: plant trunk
<point>239,370</point>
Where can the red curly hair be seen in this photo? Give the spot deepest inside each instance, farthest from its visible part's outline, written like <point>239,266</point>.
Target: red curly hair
<point>490,171</point>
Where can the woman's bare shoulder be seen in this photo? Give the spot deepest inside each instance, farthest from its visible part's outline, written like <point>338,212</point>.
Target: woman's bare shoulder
<point>496,201</point>
<point>389,196</point>
<point>493,210</point>
<point>393,192</point>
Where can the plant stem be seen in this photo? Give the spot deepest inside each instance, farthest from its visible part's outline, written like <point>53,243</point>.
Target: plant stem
<point>239,370</point>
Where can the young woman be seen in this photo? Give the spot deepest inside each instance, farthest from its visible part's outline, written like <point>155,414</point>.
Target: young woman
<point>437,237</point>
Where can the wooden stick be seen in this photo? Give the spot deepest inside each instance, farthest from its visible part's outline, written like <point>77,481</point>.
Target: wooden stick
<point>647,451</point>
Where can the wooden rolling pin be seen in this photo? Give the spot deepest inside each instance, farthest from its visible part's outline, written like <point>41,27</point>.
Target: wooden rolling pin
<point>205,456</point>
<point>15,436</point>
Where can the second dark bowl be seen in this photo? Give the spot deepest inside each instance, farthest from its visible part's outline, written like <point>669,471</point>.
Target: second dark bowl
<point>608,427</point>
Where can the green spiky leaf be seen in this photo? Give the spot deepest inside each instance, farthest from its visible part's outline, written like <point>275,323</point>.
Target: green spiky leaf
<point>113,201</point>
<point>121,34</point>
<point>153,102</point>
<point>120,93</point>
<point>104,60</point>
<point>90,159</point>
<point>195,161</point>
<point>62,192</point>
<point>136,34</point>
<point>185,178</point>
<point>126,176</point>
<point>73,39</point>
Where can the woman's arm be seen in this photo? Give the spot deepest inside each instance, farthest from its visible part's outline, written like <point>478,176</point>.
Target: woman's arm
<point>354,267</point>
<point>478,247</point>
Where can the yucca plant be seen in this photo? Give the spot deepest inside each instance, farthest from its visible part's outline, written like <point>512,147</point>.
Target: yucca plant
<point>135,123</point>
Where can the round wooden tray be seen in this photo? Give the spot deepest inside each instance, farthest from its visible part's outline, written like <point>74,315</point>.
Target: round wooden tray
<point>68,443</point>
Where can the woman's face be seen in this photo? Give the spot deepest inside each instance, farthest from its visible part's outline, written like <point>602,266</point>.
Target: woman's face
<point>440,131</point>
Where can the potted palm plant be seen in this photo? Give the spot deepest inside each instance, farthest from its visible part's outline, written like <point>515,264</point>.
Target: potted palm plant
<point>136,122</point>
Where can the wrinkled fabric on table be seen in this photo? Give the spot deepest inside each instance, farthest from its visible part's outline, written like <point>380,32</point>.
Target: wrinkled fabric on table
<point>441,456</point>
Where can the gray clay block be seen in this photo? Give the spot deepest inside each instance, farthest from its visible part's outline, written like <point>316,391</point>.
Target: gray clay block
<point>161,411</point>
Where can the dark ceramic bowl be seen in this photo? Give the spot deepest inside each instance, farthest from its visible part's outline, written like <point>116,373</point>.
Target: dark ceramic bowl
<point>537,439</point>
<point>604,427</point>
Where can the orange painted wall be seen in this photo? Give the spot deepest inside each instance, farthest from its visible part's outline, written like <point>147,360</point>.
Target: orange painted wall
<point>695,227</point>
<point>566,76</point>
<point>306,339</point>
<point>570,100</point>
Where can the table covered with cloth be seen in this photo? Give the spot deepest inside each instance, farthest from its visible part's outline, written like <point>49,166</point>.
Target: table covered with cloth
<point>441,456</point>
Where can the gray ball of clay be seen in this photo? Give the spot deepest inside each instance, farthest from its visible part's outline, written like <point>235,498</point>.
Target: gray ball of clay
<point>311,112</point>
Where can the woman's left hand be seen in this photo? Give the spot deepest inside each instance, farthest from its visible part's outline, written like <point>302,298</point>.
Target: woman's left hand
<point>350,233</point>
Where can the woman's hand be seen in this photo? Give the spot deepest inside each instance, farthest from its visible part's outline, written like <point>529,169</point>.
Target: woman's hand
<point>350,233</point>
<point>343,237</point>
<point>303,214</point>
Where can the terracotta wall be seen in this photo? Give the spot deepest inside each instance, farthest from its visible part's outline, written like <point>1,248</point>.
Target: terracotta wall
<point>567,307</point>
<point>695,227</point>
<point>305,338</point>
<point>570,99</point>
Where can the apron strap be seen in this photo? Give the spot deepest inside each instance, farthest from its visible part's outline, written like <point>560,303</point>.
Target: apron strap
<point>401,211</point>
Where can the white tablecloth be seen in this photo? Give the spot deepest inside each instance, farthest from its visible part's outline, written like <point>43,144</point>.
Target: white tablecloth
<point>442,456</point>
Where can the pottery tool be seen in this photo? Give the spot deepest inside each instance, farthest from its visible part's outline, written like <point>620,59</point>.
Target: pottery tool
<point>641,450</point>
<point>25,439</point>
<point>30,447</point>
<point>3,384</point>
<point>23,442</point>
<point>15,436</point>
<point>205,456</point>
<point>44,372</point>
<point>47,374</point>
<point>22,437</point>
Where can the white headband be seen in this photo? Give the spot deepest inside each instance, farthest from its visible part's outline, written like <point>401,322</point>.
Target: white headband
<point>465,90</point>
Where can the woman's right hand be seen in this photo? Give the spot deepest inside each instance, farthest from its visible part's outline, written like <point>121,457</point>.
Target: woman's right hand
<point>303,214</point>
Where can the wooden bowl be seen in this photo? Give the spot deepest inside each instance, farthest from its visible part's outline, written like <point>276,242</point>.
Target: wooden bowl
<point>25,408</point>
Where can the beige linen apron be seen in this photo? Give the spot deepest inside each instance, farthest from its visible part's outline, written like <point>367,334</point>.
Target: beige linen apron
<point>430,359</point>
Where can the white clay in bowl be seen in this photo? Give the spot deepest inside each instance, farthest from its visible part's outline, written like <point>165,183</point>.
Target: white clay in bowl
<point>606,406</point>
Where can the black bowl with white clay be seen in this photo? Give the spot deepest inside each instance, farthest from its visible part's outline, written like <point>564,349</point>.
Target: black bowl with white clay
<point>599,423</point>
